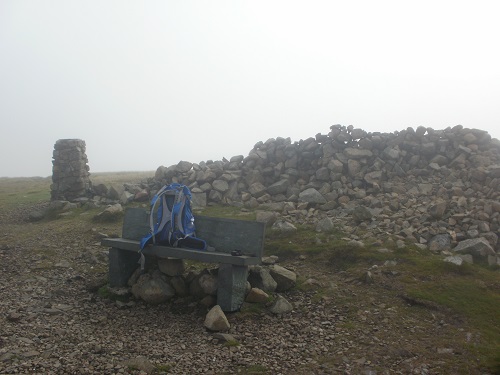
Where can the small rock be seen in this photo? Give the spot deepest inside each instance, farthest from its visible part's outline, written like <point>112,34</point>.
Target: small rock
<point>208,301</point>
<point>260,277</point>
<point>356,243</point>
<point>171,266</point>
<point>437,210</point>
<point>13,317</point>
<point>367,278</point>
<point>445,351</point>
<point>270,260</point>
<point>312,196</point>
<point>281,306</point>
<point>36,215</point>
<point>284,226</point>
<point>440,242</point>
<point>216,320</point>
<point>257,295</point>
<point>31,353</point>
<point>493,260</point>
<point>224,337</point>
<point>476,246</point>
<point>6,357</point>
<point>361,213</point>
<point>454,259</point>
<point>285,279</point>
<point>63,264</point>
<point>152,289</point>
<point>140,363</point>
<point>325,225</point>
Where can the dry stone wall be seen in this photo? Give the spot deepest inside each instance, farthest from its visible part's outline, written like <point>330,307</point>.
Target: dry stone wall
<point>416,183</point>
<point>70,170</point>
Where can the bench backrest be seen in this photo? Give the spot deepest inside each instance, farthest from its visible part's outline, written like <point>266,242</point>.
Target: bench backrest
<point>225,235</point>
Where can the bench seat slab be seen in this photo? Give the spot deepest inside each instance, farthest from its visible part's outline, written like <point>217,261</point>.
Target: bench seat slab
<point>178,252</point>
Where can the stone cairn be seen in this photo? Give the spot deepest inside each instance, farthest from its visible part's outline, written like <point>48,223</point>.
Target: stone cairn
<point>70,172</point>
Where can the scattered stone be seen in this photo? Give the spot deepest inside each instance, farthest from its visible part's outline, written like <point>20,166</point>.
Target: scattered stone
<point>284,226</point>
<point>438,209</point>
<point>216,320</point>
<point>285,279</point>
<point>367,278</point>
<point>111,212</point>
<point>5,357</point>
<point>183,166</point>
<point>454,259</point>
<point>467,258</point>
<point>311,196</point>
<point>268,217</point>
<point>30,354</point>
<point>208,301</point>
<point>224,337</point>
<point>260,277</point>
<point>36,215</point>
<point>280,306</point>
<point>152,289</point>
<point>356,243</point>
<point>493,260</point>
<point>63,264</point>
<point>14,317</point>
<point>279,187</point>
<point>257,295</point>
<point>325,225</point>
<point>361,213</point>
<point>123,305</point>
<point>141,364</point>
<point>479,247</point>
<point>208,284</point>
<point>171,266</point>
<point>440,242</point>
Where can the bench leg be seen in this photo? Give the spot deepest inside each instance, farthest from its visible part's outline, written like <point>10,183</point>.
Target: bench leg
<point>232,283</point>
<point>122,265</point>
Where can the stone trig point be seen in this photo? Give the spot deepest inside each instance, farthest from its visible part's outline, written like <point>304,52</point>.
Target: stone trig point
<point>70,172</point>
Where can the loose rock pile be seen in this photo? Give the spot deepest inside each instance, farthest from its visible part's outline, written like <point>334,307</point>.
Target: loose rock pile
<point>167,278</point>
<point>70,172</point>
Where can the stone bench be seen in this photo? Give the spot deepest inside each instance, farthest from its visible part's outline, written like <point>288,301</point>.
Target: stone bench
<point>223,236</point>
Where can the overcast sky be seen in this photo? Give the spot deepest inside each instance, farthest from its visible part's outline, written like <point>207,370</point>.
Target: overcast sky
<point>150,83</point>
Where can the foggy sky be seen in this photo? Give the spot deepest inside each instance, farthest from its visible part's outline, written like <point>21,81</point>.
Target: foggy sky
<point>150,83</point>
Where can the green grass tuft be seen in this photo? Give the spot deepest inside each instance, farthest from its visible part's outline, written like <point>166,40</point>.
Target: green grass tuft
<point>164,368</point>
<point>232,343</point>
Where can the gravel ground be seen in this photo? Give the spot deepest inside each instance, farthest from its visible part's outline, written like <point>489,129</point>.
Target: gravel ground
<point>52,321</point>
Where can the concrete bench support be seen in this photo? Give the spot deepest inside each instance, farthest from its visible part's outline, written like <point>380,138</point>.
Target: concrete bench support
<point>122,265</point>
<point>232,283</point>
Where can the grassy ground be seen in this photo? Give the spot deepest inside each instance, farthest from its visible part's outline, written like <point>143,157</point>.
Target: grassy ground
<point>120,177</point>
<point>15,191</point>
<point>470,292</point>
